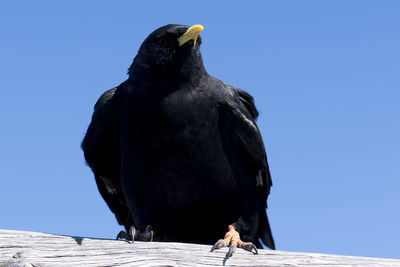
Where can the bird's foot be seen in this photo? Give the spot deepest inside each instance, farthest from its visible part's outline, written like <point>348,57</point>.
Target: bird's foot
<point>232,240</point>
<point>130,236</point>
<point>147,235</point>
<point>133,234</point>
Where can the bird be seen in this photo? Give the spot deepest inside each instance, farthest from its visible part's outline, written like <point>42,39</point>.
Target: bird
<point>176,153</point>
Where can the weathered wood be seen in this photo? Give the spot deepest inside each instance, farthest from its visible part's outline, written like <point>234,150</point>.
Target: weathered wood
<point>19,248</point>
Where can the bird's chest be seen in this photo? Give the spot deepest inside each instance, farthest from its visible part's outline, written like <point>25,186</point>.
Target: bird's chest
<point>176,152</point>
<point>181,128</point>
<point>187,115</point>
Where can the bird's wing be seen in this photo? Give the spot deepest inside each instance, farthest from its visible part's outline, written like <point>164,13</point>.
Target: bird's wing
<point>240,115</point>
<point>247,100</point>
<point>101,149</point>
<point>246,136</point>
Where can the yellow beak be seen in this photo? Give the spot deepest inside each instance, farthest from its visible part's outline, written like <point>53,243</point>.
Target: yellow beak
<point>191,34</point>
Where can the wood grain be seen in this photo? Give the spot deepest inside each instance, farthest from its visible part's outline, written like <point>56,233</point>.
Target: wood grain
<point>20,248</point>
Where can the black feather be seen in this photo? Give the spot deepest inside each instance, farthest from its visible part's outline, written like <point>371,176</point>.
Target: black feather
<point>177,149</point>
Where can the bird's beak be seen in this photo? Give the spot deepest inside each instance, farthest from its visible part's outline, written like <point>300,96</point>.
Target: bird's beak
<point>191,34</point>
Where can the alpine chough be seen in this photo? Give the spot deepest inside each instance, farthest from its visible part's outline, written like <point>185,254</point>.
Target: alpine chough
<point>176,153</point>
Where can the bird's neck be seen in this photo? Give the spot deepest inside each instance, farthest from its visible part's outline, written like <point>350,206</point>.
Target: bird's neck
<point>167,78</point>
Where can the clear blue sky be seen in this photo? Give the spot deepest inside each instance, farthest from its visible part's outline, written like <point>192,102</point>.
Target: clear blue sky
<point>325,76</point>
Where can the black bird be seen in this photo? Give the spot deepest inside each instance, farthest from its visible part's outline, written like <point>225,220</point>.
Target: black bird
<point>177,153</point>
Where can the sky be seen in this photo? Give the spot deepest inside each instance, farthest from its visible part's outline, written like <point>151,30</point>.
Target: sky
<point>325,76</point>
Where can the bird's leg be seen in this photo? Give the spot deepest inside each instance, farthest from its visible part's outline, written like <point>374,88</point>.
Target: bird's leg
<point>232,240</point>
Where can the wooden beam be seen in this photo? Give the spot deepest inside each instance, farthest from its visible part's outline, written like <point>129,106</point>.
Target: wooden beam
<point>20,248</point>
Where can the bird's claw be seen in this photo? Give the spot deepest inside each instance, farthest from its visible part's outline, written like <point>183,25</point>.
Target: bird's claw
<point>128,236</point>
<point>147,235</point>
<point>248,246</point>
<point>220,244</point>
<point>122,234</point>
<point>230,252</point>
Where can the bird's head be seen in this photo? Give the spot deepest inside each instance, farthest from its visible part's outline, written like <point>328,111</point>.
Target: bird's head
<point>169,51</point>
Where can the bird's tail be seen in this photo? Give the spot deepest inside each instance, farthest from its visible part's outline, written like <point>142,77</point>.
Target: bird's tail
<point>265,231</point>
